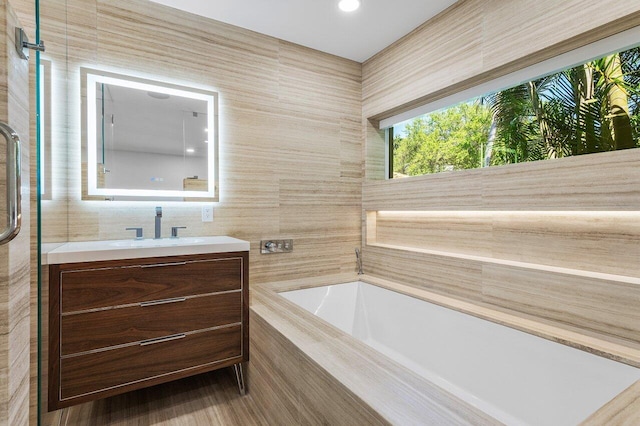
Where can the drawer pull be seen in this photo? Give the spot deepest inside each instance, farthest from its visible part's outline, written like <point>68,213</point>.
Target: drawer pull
<point>158,265</point>
<point>162,339</point>
<point>163,301</point>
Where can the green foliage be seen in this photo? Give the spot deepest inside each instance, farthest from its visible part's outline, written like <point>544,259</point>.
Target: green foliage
<point>452,139</point>
<point>516,128</point>
<point>593,107</point>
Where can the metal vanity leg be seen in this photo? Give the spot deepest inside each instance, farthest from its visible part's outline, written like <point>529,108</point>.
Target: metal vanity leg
<point>239,377</point>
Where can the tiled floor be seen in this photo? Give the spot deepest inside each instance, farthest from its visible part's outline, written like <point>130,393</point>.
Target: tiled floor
<point>206,399</point>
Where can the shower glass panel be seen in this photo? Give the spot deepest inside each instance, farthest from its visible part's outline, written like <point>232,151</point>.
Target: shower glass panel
<point>49,113</point>
<point>41,170</point>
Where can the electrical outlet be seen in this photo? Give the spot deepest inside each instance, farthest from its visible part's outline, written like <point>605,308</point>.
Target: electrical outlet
<point>207,213</point>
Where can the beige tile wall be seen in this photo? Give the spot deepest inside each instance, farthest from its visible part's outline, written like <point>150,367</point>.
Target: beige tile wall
<point>576,240</point>
<point>478,40</point>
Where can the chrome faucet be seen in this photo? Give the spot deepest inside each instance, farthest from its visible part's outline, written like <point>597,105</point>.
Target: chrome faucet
<point>138,232</point>
<point>359,261</point>
<point>158,223</point>
<point>174,230</point>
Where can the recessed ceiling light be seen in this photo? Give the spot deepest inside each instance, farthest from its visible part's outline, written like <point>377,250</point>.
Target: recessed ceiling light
<point>349,5</point>
<point>190,150</point>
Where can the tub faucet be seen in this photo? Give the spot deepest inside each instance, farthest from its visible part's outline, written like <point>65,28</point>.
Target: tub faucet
<point>138,232</point>
<point>359,261</point>
<point>158,223</point>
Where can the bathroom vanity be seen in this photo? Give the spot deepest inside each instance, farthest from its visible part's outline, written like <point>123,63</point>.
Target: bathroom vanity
<point>129,315</point>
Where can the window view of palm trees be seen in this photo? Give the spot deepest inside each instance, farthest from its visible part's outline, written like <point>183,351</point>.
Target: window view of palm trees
<point>593,107</point>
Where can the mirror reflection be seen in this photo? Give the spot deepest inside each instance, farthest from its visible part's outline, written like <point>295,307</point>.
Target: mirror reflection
<point>148,141</point>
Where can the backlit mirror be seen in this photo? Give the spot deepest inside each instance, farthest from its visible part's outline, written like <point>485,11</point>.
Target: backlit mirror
<point>44,122</point>
<point>147,140</point>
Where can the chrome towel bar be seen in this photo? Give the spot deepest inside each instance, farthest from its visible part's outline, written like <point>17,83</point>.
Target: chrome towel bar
<point>23,46</point>
<point>14,212</point>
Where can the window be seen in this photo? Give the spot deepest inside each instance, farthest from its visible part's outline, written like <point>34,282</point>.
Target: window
<point>589,108</point>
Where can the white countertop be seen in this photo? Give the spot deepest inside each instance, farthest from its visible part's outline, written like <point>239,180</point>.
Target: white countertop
<point>92,251</point>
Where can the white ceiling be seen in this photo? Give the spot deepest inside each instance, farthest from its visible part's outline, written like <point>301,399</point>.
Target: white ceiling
<point>319,24</point>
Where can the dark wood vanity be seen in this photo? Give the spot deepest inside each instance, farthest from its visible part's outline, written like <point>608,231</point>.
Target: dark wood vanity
<point>120,325</point>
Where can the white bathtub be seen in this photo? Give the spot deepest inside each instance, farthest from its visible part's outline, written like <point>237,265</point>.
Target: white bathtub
<point>517,378</point>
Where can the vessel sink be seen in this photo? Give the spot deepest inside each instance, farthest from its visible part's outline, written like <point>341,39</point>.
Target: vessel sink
<point>92,251</point>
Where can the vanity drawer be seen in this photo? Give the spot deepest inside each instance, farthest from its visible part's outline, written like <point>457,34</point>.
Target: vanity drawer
<point>135,366</point>
<point>110,327</point>
<point>90,288</point>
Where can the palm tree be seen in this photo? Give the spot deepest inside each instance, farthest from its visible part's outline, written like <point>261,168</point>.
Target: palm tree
<point>616,100</point>
<point>589,108</point>
<point>512,127</point>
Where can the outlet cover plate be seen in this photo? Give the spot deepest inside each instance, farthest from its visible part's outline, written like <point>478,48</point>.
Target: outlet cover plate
<point>207,213</point>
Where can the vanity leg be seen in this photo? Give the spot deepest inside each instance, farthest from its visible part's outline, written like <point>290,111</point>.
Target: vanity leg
<point>237,368</point>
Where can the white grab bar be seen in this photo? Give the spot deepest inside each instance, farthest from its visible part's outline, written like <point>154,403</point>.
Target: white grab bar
<point>14,212</point>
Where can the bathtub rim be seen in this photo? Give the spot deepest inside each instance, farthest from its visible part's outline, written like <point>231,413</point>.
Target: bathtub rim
<point>620,350</point>
<point>616,349</point>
